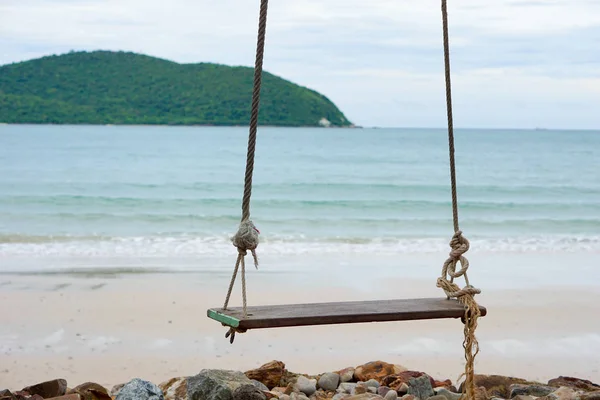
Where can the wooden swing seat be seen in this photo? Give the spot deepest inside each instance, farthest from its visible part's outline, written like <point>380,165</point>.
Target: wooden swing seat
<point>278,316</point>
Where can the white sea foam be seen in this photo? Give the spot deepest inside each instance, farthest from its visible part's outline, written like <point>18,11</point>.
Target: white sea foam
<point>160,246</point>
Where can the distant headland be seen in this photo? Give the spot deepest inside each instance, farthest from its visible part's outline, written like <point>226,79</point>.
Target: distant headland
<point>122,88</point>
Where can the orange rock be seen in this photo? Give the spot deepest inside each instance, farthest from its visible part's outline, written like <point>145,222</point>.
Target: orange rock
<point>374,370</point>
<point>446,383</point>
<point>270,395</point>
<point>72,396</point>
<point>269,374</point>
<point>174,388</point>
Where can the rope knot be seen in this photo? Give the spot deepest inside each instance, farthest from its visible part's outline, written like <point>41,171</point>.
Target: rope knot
<point>459,245</point>
<point>246,238</point>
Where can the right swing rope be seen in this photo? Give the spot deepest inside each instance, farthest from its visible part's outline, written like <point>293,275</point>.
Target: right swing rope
<point>459,244</point>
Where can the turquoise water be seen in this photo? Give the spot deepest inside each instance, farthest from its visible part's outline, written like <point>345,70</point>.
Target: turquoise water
<point>165,191</point>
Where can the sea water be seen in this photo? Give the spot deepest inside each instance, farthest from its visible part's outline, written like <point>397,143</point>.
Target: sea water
<point>170,197</point>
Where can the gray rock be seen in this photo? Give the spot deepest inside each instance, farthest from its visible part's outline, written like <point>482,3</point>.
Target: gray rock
<point>530,390</point>
<point>391,395</point>
<point>329,381</point>
<point>248,392</point>
<point>437,397</point>
<point>346,387</point>
<point>215,384</point>
<point>420,387</point>
<point>306,386</point>
<point>285,397</point>
<point>138,389</point>
<point>259,385</point>
<point>447,394</point>
<point>372,383</point>
<point>402,389</point>
<point>372,389</point>
<point>298,396</point>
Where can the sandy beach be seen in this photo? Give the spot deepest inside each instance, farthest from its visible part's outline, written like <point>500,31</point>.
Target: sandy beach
<point>110,329</point>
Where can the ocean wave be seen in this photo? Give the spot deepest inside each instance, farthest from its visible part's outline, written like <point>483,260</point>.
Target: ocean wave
<point>189,245</point>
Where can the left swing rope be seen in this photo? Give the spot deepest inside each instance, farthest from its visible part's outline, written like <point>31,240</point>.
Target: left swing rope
<point>246,238</point>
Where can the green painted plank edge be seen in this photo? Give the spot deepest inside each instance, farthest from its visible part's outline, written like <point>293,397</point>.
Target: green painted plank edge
<point>224,319</point>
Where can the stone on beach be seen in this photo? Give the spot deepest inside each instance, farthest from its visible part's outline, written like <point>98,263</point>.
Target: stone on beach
<point>138,389</point>
<point>305,385</point>
<point>270,374</point>
<point>376,370</point>
<point>329,381</point>
<point>420,387</point>
<point>576,383</point>
<point>48,389</point>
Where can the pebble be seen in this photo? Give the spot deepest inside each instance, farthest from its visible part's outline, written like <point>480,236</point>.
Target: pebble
<point>448,395</point>
<point>346,387</point>
<point>259,385</point>
<point>391,395</point>
<point>306,386</point>
<point>248,392</point>
<point>329,381</point>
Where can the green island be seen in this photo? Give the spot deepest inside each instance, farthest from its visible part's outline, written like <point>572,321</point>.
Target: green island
<point>105,87</point>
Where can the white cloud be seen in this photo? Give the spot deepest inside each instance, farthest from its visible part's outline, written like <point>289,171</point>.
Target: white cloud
<point>380,61</point>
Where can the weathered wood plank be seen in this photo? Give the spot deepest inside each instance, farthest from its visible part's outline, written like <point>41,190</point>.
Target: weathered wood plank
<point>277,316</point>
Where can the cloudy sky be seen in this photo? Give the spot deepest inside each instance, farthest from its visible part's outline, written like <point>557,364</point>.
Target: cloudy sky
<point>515,63</point>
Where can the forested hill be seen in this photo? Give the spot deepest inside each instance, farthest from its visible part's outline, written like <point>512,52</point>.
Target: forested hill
<point>103,87</point>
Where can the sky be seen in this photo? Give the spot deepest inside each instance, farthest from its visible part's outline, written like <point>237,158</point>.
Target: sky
<point>515,63</point>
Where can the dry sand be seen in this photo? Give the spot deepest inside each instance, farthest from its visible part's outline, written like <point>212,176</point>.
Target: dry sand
<point>155,327</point>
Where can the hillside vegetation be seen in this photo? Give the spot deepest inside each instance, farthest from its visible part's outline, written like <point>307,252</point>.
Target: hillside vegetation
<point>103,87</point>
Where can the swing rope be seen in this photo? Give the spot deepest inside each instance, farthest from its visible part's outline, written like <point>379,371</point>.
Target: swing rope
<point>246,237</point>
<point>459,244</point>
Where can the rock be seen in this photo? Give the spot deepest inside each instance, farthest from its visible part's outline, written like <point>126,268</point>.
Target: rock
<point>518,389</point>
<point>270,395</point>
<point>497,385</point>
<point>576,383</point>
<point>481,393</point>
<point>372,383</point>
<point>359,389</point>
<point>382,390</point>
<point>114,392</point>
<point>7,395</point>
<point>284,397</point>
<point>90,391</point>
<point>215,384</point>
<point>396,381</point>
<point>420,387</point>
<point>364,396</point>
<point>402,389</point>
<point>375,370</point>
<point>339,396</point>
<point>408,397</point>
<point>248,392</point>
<point>138,389</point>
<point>437,397</point>
<point>329,381</point>
<point>391,395</point>
<point>48,389</point>
<point>346,374</point>
<point>269,374</point>
<point>590,395</point>
<point>346,387</point>
<point>563,393</point>
<point>447,394</point>
<point>305,385</point>
<point>298,396</point>
<point>174,388</point>
<point>259,385</point>
<point>524,397</point>
<point>72,396</point>
<point>446,383</point>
